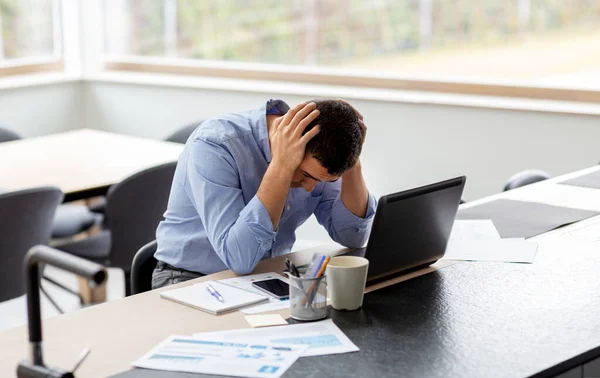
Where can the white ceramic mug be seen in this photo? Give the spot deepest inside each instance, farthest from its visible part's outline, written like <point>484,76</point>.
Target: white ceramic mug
<point>346,280</point>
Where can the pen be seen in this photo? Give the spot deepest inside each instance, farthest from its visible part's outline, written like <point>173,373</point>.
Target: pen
<point>323,266</point>
<point>308,300</point>
<point>214,293</point>
<point>292,268</point>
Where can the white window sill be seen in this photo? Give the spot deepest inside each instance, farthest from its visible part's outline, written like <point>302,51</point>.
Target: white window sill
<point>34,80</point>
<point>271,88</point>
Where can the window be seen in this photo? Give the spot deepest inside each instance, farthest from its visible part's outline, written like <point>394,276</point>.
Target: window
<point>539,43</point>
<point>30,36</point>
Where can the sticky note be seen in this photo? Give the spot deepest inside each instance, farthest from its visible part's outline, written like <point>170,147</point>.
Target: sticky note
<point>265,320</point>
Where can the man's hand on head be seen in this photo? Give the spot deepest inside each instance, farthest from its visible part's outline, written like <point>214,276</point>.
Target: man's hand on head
<point>288,145</point>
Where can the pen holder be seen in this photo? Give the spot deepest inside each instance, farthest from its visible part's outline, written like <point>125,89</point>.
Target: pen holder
<point>308,298</point>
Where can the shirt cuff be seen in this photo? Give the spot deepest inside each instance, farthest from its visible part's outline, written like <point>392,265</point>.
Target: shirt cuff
<point>344,218</point>
<point>258,220</point>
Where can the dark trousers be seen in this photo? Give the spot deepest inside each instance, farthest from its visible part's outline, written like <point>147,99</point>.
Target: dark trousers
<point>165,275</point>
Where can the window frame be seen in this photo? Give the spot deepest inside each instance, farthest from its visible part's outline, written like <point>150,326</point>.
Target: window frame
<point>360,79</point>
<point>16,67</point>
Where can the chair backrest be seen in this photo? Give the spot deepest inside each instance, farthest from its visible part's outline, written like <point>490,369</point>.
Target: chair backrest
<point>182,135</point>
<point>134,207</point>
<point>142,267</point>
<point>7,135</point>
<point>25,220</point>
<point>527,177</point>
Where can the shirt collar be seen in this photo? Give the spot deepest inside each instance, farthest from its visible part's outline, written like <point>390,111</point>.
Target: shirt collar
<point>272,107</point>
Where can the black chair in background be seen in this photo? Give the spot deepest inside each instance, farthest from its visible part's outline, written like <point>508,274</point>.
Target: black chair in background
<point>7,135</point>
<point>526,177</point>
<point>25,221</point>
<point>134,207</point>
<point>182,135</point>
<point>142,267</point>
<point>69,220</point>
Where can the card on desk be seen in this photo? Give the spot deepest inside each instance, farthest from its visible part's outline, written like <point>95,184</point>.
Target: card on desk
<point>198,297</point>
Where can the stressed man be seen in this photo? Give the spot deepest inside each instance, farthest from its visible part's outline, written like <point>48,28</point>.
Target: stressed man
<point>246,181</point>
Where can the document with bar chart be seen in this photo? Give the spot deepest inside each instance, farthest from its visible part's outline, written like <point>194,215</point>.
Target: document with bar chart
<point>209,356</point>
<point>322,337</point>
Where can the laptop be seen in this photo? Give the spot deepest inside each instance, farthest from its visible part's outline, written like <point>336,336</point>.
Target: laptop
<point>411,229</point>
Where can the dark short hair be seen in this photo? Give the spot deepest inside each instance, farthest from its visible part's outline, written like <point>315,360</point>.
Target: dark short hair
<point>339,143</point>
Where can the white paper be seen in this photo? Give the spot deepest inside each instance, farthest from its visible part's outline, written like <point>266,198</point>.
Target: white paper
<point>479,240</point>
<point>198,297</point>
<point>515,250</point>
<point>587,231</point>
<point>209,356</point>
<point>245,283</point>
<point>322,337</point>
<point>474,230</point>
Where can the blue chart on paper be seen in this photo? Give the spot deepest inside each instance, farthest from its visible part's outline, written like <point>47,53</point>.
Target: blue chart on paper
<point>312,341</point>
<point>168,357</point>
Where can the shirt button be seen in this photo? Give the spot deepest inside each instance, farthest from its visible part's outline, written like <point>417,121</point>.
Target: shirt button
<point>288,207</point>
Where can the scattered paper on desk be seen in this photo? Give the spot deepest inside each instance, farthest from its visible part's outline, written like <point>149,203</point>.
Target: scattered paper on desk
<point>587,231</point>
<point>479,240</point>
<point>210,356</point>
<point>322,337</point>
<point>515,250</point>
<point>245,283</point>
<point>474,230</point>
<point>268,320</point>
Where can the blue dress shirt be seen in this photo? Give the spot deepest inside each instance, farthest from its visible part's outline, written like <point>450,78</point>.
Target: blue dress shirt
<point>214,220</point>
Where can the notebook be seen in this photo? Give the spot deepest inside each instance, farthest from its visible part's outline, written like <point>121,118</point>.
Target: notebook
<point>198,297</point>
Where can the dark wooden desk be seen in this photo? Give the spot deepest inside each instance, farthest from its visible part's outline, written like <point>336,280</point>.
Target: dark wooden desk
<point>471,320</point>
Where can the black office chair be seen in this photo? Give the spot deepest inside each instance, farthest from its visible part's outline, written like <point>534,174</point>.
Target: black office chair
<point>526,177</point>
<point>142,267</point>
<point>134,207</point>
<point>182,135</point>
<point>25,221</point>
<point>69,220</point>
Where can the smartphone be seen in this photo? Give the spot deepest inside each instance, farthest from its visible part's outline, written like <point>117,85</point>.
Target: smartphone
<point>275,287</point>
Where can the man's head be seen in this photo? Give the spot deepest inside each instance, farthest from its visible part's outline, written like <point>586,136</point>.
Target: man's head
<point>334,149</point>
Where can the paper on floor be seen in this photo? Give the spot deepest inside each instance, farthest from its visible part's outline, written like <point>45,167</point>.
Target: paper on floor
<point>209,356</point>
<point>322,337</point>
<point>515,250</point>
<point>268,320</point>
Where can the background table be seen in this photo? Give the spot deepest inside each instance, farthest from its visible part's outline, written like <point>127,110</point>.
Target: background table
<point>82,163</point>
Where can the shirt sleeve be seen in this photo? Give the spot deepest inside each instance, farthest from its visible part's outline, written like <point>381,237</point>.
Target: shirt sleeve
<point>239,233</point>
<point>343,226</point>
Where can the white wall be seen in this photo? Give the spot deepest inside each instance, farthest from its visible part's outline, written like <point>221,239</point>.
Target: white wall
<point>407,145</point>
<point>45,109</point>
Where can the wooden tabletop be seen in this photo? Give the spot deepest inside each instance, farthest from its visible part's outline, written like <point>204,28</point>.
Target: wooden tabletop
<point>79,161</point>
<point>121,331</point>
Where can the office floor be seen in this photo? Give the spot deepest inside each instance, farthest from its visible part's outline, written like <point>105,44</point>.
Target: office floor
<point>13,313</point>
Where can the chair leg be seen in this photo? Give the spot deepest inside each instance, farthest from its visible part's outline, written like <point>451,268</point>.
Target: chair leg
<point>127,282</point>
<point>56,306</point>
<point>55,283</point>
